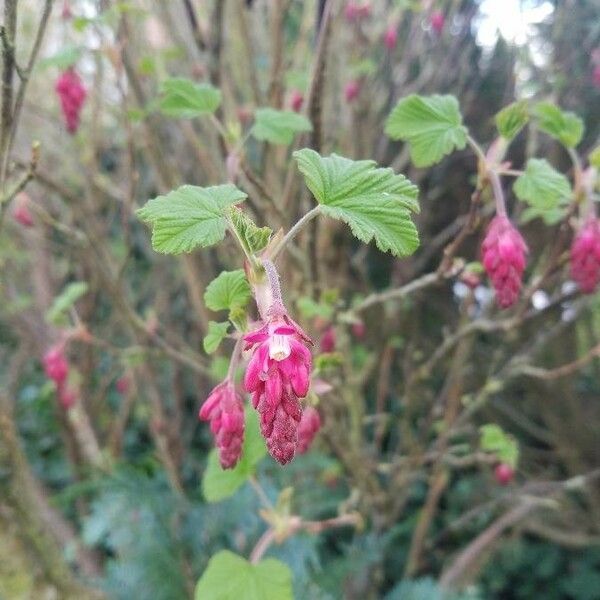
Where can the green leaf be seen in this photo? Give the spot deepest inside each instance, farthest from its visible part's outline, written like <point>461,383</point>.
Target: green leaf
<point>65,300</point>
<point>189,217</point>
<point>216,334</point>
<point>493,439</point>
<point>217,483</point>
<point>594,158</point>
<point>564,126</point>
<point>416,589</point>
<point>432,125</point>
<point>374,202</point>
<point>256,238</point>
<point>310,309</point>
<point>542,187</point>
<point>228,291</point>
<point>550,217</point>
<point>231,577</point>
<point>63,59</point>
<point>510,120</point>
<point>278,126</point>
<point>183,98</point>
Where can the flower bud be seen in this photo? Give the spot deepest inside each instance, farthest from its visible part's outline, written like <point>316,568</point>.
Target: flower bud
<point>21,212</point>
<point>585,256</point>
<point>351,90</point>
<point>310,423</point>
<point>296,100</point>
<point>437,21</point>
<point>390,37</point>
<point>56,366</point>
<point>504,473</point>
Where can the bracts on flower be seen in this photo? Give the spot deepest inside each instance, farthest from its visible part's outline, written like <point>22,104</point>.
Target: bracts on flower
<point>585,256</point>
<point>503,256</point>
<point>224,409</point>
<point>308,428</point>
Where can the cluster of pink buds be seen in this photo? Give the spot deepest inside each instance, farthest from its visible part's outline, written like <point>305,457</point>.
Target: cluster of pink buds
<point>328,340</point>
<point>390,37</point>
<point>504,473</point>
<point>357,11</point>
<point>351,90</point>
<point>437,21</point>
<point>503,256</point>
<point>310,423</point>
<point>224,409</point>
<point>278,373</point>
<point>72,94</point>
<point>585,256</point>
<point>21,212</point>
<point>56,368</point>
<point>296,100</point>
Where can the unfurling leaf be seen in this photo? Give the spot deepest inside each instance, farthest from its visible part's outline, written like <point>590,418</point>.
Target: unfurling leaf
<point>256,238</point>
<point>184,98</point>
<point>229,291</point>
<point>374,202</point>
<point>432,125</point>
<point>562,125</point>
<point>218,484</point>
<point>511,119</point>
<point>189,217</point>
<point>279,126</point>
<point>231,577</point>
<point>494,439</point>
<point>65,300</point>
<point>216,334</point>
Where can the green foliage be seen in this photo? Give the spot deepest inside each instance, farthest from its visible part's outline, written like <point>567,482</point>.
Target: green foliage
<point>374,202</point>
<point>432,125</point>
<point>417,589</point>
<point>64,301</point>
<point>310,309</point>
<point>189,216</point>
<point>63,59</point>
<point>215,335</point>
<point>279,126</point>
<point>564,126</point>
<point>185,99</point>
<point>255,238</point>
<point>594,158</point>
<point>231,577</point>
<point>511,119</point>
<point>229,290</point>
<point>545,190</point>
<point>218,484</point>
<point>493,439</point>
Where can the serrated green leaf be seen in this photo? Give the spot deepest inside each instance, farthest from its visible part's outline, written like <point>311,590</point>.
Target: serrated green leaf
<point>550,217</point>
<point>217,483</point>
<point>65,300</point>
<point>186,99</point>
<point>374,202</point>
<point>278,126</point>
<point>256,238</point>
<point>562,125</point>
<point>511,119</point>
<point>189,216</point>
<point>216,334</point>
<point>542,187</point>
<point>432,125</point>
<point>594,157</point>
<point>228,291</point>
<point>231,577</point>
<point>493,439</point>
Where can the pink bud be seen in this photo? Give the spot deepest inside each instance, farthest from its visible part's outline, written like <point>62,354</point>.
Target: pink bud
<point>596,76</point>
<point>356,11</point>
<point>310,423</point>
<point>503,255</point>
<point>504,473</point>
<point>351,90</point>
<point>72,95</point>
<point>359,329</point>
<point>224,408</point>
<point>437,21</point>
<point>328,340</point>
<point>585,256</point>
<point>66,13</point>
<point>56,366</point>
<point>296,100</point>
<point>390,37</point>
<point>67,397</point>
<point>21,212</point>
<point>123,384</point>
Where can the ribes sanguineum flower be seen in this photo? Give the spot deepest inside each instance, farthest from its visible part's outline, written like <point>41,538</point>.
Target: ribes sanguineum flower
<point>503,256</point>
<point>585,256</point>
<point>21,212</point>
<point>310,423</point>
<point>328,340</point>
<point>390,37</point>
<point>55,364</point>
<point>72,94</point>
<point>504,473</point>
<point>437,21</point>
<point>351,90</point>
<point>296,100</point>
<point>224,409</point>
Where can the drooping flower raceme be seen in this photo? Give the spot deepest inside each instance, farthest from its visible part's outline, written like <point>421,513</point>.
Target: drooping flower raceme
<point>585,256</point>
<point>72,94</point>
<point>224,409</point>
<point>503,256</point>
<point>55,363</point>
<point>308,428</point>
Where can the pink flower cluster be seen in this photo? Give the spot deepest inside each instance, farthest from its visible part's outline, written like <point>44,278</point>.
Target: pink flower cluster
<point>503,256</point>
<point>437,21</point>
<point>21,212</point>
<point>390,37</point>
<point>56,368</point>
<point>72,94</point>
<point>310,423</point>
<point>277,375</point>
<point>352,90</point>
<point>585,256</point>
<point>224,409</point>
<point>296,100</point>
<point>356,11</point>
